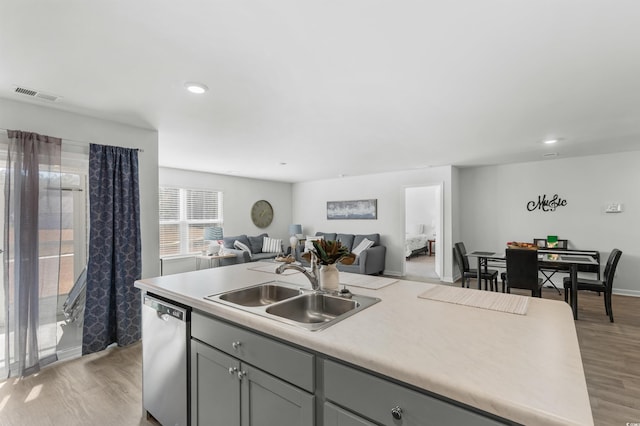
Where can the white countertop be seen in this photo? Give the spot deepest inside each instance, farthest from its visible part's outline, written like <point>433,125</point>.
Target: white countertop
<point>526,368</point>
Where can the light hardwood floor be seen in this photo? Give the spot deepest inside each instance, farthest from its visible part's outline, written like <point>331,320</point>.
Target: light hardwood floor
<point>105,388</point>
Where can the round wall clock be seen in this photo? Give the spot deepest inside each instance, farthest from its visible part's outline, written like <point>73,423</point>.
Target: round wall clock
<point>262,213</point>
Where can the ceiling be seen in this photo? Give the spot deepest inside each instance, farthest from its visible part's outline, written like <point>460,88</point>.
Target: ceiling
<point>334,88</point>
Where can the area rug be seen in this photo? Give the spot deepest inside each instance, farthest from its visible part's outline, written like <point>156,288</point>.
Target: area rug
<point>502,302</point>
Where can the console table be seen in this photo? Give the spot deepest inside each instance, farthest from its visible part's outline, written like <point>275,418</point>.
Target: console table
<point>212,259</point>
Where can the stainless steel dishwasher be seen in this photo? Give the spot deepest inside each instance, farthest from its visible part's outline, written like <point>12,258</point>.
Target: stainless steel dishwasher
<point>165,329</point>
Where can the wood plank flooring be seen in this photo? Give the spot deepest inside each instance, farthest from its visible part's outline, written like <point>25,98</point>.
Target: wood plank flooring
<point>106,388</point>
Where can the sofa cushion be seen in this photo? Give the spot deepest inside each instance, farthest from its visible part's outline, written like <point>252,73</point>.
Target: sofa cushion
<point>271,245</point>
<point>256,243</point>
<point>228,241</point>
<point>346,240</point>
<point>372,237</point>
<point>262,256</point>
<point>326,235</point>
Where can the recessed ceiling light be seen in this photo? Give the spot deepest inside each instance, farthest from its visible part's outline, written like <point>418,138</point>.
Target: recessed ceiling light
<point>550,141</point>
<point>197,88</point>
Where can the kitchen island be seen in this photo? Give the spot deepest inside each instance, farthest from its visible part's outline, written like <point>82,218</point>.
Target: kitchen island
<point>524,369</point>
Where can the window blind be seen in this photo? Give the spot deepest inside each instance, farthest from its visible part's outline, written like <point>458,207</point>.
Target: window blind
<point>184,214</point>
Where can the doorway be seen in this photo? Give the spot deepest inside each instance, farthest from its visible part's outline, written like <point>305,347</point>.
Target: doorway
<point>423,231</point>
<point>61,257</point>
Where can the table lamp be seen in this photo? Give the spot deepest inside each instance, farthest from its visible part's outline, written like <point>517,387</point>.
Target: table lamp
<point>294,231</point>
<point>213,234</point>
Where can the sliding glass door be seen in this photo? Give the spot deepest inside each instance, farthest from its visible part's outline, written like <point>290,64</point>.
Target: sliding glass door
<point>62,256</point>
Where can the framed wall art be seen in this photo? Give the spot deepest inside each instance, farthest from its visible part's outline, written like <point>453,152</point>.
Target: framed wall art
<point>355,209</point>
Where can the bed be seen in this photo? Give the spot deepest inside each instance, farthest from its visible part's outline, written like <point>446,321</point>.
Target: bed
<point>414,244</point>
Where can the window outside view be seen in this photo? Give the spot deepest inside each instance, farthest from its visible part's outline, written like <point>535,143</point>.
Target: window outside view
<point>184,214</point>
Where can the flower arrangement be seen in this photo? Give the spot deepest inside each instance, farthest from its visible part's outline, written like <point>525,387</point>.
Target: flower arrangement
<point>329,252</point>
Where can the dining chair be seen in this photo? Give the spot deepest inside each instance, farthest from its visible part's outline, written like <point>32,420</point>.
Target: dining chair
<point>522,271</point>
<point>549,270</point>
<point>605,286</point>
<point>468,273</point>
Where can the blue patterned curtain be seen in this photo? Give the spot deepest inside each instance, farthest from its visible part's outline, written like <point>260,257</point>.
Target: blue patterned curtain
<point>112,312</point>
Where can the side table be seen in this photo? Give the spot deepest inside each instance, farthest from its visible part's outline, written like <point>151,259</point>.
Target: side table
<point>213,259</point>
<point>431,243</point>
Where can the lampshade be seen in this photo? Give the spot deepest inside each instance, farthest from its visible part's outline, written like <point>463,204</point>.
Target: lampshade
<point>212,233</point>
<point>295,229</point>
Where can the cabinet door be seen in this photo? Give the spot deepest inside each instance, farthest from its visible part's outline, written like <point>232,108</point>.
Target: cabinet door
<point>215,388</point>
<point>336,416</point>
<point>267,401</point>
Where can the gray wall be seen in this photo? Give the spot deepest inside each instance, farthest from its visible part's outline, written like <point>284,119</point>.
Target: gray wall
<point>52,122</point>
<point>493,207</point>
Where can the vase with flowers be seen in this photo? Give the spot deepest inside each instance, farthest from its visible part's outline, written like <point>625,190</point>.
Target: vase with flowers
<point>327,253</point>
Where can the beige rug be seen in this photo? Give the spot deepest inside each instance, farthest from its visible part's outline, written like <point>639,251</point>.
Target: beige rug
<point>365,281</point>
<point>502,302</point>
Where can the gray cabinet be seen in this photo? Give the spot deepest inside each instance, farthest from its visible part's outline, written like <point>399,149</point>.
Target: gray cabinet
<point>336,416</point>
<point>389,403</point>
<point>215,388</point>
<point>227,391</point>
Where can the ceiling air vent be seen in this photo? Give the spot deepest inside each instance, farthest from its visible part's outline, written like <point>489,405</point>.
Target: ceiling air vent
<point>36,94</point>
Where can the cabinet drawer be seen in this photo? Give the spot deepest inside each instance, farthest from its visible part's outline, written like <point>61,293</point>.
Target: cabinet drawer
<point>375,398</point>
<point>290,364</point>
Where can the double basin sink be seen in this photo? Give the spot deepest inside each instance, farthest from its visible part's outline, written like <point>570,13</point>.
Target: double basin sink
<point>291,304</point>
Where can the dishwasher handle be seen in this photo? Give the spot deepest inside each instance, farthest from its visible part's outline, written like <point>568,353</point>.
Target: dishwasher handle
<point>165,309</point>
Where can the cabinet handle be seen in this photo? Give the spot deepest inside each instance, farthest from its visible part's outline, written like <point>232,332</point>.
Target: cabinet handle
<point>236,345</point>
<point>233,370</point>
<point>241,374</point>
<point>396,412</point>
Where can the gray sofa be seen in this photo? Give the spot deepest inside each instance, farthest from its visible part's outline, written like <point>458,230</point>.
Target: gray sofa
<point>370,261</point>
<point>254,243</point>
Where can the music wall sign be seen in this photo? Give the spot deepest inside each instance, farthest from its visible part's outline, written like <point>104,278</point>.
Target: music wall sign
<point>546,204</point>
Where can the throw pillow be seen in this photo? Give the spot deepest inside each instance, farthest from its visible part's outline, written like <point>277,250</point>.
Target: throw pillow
<point>256,243</point>
<point>365,244</point>
<point>308,244</point>
<point>271,245</point>
<point>241,246</point>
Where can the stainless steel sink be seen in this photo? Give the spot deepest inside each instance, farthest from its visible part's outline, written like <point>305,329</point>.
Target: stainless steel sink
<point>313,308</point>
<point>260,295</point>
<point>286,302</point>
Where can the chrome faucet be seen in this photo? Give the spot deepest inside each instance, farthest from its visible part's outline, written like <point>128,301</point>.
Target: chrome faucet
<point>311,276</point>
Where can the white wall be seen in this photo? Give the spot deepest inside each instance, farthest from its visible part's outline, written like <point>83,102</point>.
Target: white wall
<point>310,208</point>
<point>421,205</point>
<point>48,121</point>
<point>238,195</point>
<point>494,199</point>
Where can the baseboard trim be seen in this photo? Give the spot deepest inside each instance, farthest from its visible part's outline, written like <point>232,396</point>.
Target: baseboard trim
<point>625,292</point>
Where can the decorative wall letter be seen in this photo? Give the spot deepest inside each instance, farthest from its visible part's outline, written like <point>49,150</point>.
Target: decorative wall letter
<point>546,205</point>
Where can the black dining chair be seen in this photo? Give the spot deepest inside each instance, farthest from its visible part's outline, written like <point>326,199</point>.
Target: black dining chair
<point>467,273</point>
<point>522,271</point>
<point>605,286</point>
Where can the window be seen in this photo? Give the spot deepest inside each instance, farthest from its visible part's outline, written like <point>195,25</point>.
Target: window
<point>184,214</point>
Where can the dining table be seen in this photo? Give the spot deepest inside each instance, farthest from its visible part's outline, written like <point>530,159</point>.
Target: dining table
<point>548,257</point>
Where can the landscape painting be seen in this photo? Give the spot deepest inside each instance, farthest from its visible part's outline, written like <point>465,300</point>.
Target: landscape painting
<point>356,209</point>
